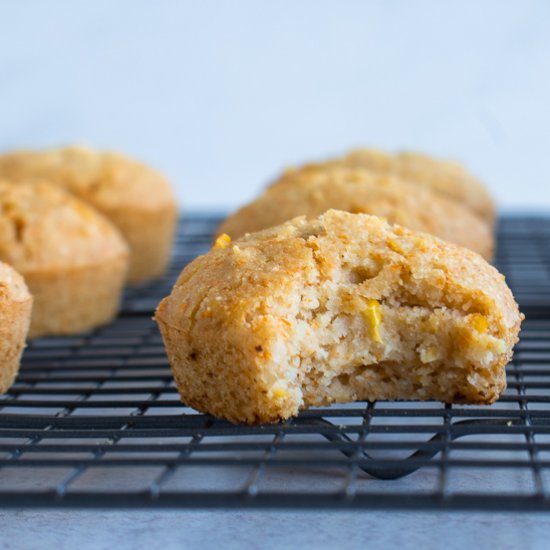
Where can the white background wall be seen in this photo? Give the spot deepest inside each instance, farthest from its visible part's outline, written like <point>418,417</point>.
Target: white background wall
<point>221,94</point>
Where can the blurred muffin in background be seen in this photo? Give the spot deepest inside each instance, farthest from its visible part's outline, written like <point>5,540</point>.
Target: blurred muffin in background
<point>73,259</point>
<point>313,190</point>
<point>138,200</point>
<point>443,176</point>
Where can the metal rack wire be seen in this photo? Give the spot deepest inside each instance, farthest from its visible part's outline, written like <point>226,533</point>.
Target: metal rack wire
<point>95,421</point>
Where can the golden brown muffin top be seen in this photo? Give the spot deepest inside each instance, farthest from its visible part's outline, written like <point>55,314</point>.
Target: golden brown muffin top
<point>401,267</point>
<point>108,180</point>
<point>310,191</point>
<point>260,271</point>
<point>42,227</point>
<point>12,285</point>
<point>444,176</point>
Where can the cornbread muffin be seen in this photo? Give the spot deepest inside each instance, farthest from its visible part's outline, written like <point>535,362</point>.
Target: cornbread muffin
<point>15,315</point>
<point>74,260</point>
<point>312,191</point>
<point>138,200</point>
<point>344,307</point>
<point>443,176</point>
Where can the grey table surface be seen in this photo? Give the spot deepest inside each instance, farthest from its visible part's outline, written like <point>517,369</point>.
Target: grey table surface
<point>270,530</point>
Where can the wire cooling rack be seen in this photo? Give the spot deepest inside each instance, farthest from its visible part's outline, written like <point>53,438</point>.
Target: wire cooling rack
<point>95,421</point>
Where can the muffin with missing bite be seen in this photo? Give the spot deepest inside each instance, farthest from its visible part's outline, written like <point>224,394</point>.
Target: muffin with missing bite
<point>339,308</point>
<point>136,199</point>
<point>74,260</point>
<point>15,315</point>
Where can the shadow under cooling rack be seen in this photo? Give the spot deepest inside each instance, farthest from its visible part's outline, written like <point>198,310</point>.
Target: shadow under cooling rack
<point>95,421</point>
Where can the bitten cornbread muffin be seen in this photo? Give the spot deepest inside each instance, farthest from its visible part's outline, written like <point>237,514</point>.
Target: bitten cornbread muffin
<point>446,177</point>
<point>15,315</point>
<point>138,200</point>
<point>312,191</point>
<point>344,307</point>
<point>74,260</point>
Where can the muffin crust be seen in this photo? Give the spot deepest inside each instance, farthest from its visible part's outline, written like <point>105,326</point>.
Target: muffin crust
<point>15,315</point>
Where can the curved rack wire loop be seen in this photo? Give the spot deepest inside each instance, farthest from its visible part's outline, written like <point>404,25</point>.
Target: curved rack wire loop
<point>395,469</point>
